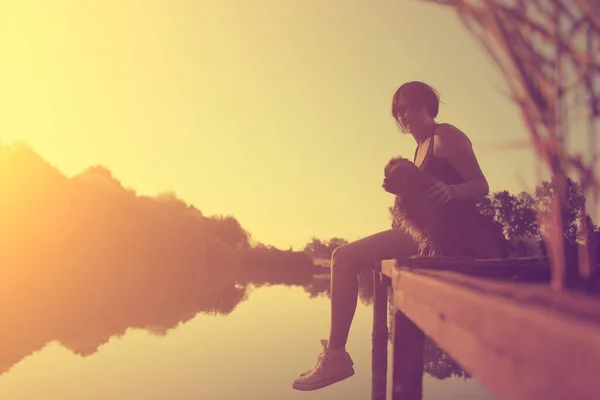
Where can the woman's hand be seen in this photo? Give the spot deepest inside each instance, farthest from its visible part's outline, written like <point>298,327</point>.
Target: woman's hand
<point>441,192</point>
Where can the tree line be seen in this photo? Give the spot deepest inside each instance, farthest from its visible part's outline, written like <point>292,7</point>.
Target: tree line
<point>85,258</point>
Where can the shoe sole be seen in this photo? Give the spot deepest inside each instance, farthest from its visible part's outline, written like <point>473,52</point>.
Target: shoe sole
<point>329,381</point>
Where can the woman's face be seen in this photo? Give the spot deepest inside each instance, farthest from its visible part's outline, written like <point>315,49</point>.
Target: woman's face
<point>412,117</point>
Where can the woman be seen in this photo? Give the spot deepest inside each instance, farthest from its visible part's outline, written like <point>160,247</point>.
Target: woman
<point>445,153</point>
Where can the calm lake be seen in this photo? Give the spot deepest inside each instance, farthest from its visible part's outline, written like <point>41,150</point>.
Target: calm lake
<point>241,343</point>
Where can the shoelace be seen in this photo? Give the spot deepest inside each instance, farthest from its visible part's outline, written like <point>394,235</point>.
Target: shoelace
<point>324,354</point>
<point>321,359</point>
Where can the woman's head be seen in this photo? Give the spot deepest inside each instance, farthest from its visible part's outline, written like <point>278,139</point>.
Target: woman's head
<point>414,106</point>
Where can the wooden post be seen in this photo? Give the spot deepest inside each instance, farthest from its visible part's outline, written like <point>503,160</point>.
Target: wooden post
<point>407,370</point>
<point>380,336</point>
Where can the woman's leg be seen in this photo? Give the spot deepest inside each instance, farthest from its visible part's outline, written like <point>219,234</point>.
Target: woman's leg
<point>334,363</point>
<point>346,262</point>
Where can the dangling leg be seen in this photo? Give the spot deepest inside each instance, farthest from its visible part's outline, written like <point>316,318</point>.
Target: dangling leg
<point>334,363</point>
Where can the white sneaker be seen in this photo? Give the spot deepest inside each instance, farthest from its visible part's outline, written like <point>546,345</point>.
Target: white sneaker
<point>332,366</point>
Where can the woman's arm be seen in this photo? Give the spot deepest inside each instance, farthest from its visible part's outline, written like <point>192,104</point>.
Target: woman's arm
<point>453,145</point>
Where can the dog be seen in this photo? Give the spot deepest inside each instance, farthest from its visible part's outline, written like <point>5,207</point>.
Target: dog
<point>456,228</point>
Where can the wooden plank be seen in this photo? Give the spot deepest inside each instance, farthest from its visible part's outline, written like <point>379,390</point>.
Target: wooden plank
<point>523,341</point>
<point>530,269</point>
<point>407,370</point>
<point>379,337</point>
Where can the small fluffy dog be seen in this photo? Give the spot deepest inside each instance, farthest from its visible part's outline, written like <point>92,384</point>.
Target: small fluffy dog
<point>456,228</point>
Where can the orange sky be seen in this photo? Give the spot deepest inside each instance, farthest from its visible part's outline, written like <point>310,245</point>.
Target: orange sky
<point>273,111</point>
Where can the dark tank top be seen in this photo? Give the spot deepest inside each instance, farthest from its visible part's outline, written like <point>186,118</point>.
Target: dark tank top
<point>461,223</point>
<point>439,168</point>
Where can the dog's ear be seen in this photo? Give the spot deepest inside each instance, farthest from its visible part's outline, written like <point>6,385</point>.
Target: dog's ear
<point>394,161</point>
<point>388,167</point>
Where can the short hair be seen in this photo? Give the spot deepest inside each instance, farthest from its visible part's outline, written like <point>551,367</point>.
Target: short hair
<point>419,93</point>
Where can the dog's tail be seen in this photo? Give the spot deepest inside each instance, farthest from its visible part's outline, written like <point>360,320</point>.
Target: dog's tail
<point>525,246</point>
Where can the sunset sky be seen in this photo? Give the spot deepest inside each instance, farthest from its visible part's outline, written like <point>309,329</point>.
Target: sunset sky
<point>273,111</point>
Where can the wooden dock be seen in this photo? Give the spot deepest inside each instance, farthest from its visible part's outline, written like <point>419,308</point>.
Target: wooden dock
<point>500,320</point>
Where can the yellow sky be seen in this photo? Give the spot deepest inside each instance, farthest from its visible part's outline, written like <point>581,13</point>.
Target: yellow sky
<point>273,111</point>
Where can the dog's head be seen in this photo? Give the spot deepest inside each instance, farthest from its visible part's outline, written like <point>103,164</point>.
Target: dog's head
<point>403,177</point>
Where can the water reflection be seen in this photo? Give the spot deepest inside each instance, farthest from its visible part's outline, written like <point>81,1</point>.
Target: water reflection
<point>84,259</point>
<point>83,309</point>
<point>439,364</point>
<point>82,318</point>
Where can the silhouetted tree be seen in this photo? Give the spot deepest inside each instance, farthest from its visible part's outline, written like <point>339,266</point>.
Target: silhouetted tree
<point>229,230</point>
<point>333,244</point>
<point>515,213</point>
<point>316,248</point>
